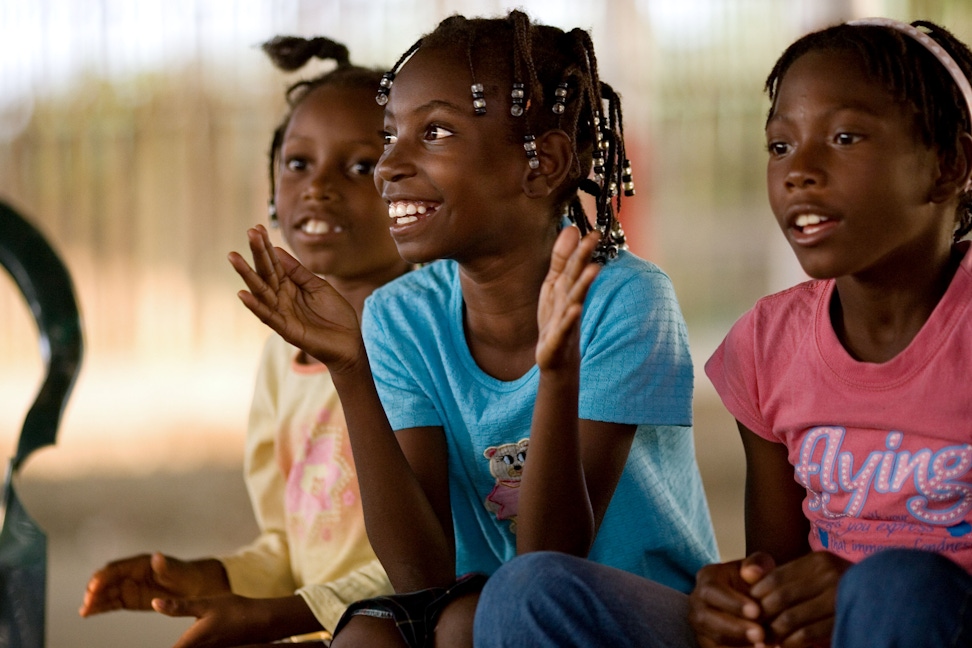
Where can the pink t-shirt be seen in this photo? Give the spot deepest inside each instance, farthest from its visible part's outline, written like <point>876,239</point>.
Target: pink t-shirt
<point>882,449</point>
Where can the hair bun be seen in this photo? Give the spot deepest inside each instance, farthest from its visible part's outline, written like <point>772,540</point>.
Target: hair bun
<point>291,53</point>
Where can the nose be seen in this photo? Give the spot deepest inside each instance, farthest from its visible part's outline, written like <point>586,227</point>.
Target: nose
<point>322,185</point>
<point>805,167</point>
<point>394,164</point>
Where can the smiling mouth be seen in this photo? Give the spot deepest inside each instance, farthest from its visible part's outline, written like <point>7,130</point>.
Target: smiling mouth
<point>317,227</point>
<point>404,212</point>
<point>810,223</point>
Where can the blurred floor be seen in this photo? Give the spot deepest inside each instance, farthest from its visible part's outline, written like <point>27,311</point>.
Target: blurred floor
<point>93,517</point>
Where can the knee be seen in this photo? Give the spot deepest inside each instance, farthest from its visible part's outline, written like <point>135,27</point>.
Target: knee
<point>528,574</point>
<point>894,575</point>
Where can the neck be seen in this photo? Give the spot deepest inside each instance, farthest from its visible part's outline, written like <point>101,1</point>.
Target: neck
<point>876,318</point>
<point>500,297</point>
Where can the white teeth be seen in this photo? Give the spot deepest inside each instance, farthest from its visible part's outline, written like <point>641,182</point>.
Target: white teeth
<point>315,226</point>
<point>399,210</point>
<point>808,219</point>
<point>406,220</point>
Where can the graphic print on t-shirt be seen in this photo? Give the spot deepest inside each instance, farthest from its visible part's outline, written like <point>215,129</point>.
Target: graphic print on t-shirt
<point>862,498</point>
<point>506,466</point>
<point>320,483</point>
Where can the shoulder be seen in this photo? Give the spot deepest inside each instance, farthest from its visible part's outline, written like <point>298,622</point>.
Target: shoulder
<point>631,286</point>
<point>785,315</point>
<point>420,293</point>
<point>437,278</point>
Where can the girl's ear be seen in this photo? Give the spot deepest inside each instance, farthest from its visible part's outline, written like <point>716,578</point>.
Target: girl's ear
<point>955,171</point>
<point>555,153</point>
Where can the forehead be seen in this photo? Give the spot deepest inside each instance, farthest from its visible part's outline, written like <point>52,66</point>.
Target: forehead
<point>439,73</point>
<point>836,78</point>
<point>335,107</point>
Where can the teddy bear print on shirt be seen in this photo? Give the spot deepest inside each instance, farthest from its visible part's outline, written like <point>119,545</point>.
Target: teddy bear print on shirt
<point>506,465</point>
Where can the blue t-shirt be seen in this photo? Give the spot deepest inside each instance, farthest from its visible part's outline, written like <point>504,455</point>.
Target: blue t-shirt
<point>635,369</point>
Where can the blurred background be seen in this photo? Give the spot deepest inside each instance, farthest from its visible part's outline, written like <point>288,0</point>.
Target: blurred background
<point>134,134</point>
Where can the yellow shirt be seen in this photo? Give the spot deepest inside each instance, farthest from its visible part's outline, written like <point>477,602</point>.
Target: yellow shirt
<point>304,490</point>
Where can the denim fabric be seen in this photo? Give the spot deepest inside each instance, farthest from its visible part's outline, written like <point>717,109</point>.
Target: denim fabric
<point>552,599</point>
<point>902,598</point>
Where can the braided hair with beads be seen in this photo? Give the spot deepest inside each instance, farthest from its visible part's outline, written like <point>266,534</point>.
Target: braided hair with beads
<point>553,84</point>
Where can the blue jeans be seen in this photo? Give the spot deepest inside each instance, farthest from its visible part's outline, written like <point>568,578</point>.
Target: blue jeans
<point>901,598</point>
<point>553,599</point>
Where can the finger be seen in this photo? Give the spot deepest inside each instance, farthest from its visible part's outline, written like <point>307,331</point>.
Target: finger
<point>264,260</point>
<point>580,288</point>
<point>254,282</point>
<point>723,629</point>
<point>567,241</point>
<point>173,574</point>
<point>755,566</point>
<point>814,634</point>
<point>580,256</point>
<point>174,607</point>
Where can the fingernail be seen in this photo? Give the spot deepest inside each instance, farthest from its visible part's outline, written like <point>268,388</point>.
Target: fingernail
<point>750,611</point>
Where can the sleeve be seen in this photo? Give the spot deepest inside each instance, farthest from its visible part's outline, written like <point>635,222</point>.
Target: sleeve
<point>636,367</point>
<point>262,568</point>
<point>732,371</point>
<point>327,601</point>
<point>403,395</point>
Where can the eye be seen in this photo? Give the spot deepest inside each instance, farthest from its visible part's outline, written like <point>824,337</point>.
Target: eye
<point>776,149</point>
<point>389,138</point>
<point>845,139</point>
<point>295,163</point>
<point>363,167</point>
<point>434,132</point>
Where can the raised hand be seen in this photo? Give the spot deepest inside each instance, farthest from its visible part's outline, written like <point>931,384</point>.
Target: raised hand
<point>562,297</point>
<point>722,610</point>
<point>132,583</point>
<point>798,599</point>
<point>302,307</point>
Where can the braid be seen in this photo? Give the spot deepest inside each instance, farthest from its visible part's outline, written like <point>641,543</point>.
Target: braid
<point>554,84</point>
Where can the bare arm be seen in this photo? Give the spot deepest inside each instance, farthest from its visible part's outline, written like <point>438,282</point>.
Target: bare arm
<point>574,465</point>
<point>775,522</point>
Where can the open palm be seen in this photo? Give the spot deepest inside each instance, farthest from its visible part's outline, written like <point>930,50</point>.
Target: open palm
<point>300,306</point>
<point>562,298</point>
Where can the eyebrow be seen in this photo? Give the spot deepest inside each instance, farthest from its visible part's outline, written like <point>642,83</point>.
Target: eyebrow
<point>862,108</point>
<point>434,104</point>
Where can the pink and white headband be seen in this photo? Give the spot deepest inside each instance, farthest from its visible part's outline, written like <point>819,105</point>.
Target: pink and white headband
<point>937,51</point>
<point>929,43</point>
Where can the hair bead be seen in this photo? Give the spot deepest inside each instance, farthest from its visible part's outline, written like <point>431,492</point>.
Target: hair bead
<point>530,146</point>
<point>384,87</point>
<point>517,95</point>
<point>479,102</point>
<point>626,180</point>
<point>560,97</point>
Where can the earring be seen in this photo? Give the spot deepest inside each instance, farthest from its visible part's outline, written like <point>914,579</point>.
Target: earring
<point>517,96</point>
<point>530,146</point>
<point>560,96</point>
<point>384,87</point>
<point>272,214</point>
<point>479,103</point>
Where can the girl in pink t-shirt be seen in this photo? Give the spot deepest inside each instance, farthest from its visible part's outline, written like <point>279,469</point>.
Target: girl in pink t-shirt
<point>850,391</point>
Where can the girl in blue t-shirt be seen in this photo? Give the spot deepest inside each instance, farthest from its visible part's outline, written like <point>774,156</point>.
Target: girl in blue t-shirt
<point>529,391</point>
